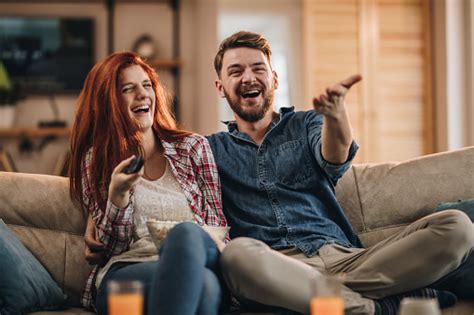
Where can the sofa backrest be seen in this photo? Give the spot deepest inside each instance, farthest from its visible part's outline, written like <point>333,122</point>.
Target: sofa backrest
<point>380,199</point>
<point>40,212</point>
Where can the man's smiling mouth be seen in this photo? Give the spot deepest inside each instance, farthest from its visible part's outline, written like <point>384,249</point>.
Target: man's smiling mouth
<point>251,93</point>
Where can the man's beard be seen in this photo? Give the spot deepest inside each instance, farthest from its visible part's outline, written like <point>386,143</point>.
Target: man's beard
<point>251,115</point>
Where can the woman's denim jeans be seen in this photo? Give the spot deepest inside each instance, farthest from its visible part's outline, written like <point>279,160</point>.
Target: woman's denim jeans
<point>185,280</point>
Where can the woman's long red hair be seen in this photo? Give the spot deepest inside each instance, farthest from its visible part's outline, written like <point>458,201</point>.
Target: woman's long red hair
<point>103,125</point>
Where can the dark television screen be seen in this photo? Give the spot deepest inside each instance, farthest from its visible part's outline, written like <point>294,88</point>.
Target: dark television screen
<point>47,55</point>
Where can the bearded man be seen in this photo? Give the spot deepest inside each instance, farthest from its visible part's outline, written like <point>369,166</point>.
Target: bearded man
<point>278,173</point>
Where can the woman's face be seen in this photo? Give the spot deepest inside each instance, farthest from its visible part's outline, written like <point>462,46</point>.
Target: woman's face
<point>138,96</point>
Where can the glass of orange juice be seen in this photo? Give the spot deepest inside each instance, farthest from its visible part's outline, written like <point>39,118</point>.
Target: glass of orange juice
<point>125,297</point>
<point>326,296</point>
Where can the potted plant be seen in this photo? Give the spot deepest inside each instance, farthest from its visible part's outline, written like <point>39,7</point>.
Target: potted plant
<point>9,95</point>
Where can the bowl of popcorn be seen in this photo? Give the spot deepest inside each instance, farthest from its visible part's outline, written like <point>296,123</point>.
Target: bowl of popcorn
<point>159,230</point>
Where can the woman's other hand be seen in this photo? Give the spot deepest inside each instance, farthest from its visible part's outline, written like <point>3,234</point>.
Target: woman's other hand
<point>219,243</point>
<point>94,251</point>
<point>121,183</point>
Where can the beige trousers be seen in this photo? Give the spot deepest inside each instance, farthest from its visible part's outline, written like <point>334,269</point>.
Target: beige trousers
<point>415,257</point>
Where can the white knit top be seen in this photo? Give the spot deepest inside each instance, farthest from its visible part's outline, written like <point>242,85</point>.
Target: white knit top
<point>161,199</point>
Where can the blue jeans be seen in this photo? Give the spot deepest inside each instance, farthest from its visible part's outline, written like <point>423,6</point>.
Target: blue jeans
<point>185,280</point>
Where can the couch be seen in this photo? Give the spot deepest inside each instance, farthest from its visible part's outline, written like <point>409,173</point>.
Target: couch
<point>379,199</point>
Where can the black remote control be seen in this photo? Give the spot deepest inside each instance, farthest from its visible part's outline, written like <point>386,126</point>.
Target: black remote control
<point>135,165</point>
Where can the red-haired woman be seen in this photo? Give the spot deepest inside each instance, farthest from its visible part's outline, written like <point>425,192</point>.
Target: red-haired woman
<point>123,111</point>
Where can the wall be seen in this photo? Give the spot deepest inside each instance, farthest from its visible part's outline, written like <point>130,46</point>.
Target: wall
<point>453,58</point>
<point>470,65</point>
<point>199,110</point>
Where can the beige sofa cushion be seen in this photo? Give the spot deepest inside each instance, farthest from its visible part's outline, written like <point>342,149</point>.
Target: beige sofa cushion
<point>379,199</point>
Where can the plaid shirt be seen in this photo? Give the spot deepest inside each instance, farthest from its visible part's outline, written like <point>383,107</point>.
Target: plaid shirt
<point>193,166</point>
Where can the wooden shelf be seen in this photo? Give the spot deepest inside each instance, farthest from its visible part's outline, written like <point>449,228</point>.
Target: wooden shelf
<point>34,132</point>
<point>142,1</point>
<point>52,1</point>
<point>87,1</point>
<point>165,63</point>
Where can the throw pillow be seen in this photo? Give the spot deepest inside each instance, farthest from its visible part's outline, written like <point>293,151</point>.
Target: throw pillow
<point>466,206</point>
<point>460,281</point>
<point>25,286</point>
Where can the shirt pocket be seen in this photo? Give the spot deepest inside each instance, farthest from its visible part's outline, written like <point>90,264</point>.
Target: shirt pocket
<point>293,163</point>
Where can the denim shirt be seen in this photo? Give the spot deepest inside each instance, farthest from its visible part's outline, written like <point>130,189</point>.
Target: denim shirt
<point>283,191</point>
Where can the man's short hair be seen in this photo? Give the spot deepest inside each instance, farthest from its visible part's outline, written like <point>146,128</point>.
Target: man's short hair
<point>242,39</point>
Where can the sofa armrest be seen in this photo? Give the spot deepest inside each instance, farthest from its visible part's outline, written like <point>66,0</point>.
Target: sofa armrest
<point>38,209</point>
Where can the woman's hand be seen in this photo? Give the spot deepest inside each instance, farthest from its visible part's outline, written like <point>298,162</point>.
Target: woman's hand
<point>121,183</point>
<point>94,251</point>
<point>219,243</point>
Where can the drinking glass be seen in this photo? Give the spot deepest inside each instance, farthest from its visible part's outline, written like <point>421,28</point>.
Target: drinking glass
<point>326,296</point>
<point>125,298</point>
<point>419,306</point>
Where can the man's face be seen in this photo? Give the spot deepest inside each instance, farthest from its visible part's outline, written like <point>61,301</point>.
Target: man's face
<point>247,82</point>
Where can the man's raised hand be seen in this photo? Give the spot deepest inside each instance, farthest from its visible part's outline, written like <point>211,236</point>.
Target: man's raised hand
<point>331,104</point>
